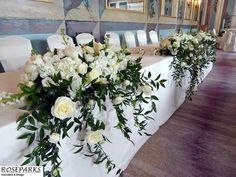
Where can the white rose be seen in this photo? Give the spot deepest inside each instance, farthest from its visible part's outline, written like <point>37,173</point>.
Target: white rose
<point>89,49</point>
<point>118,100</point>
<point>89,58</point>
<point>71,52</point>
<point>82,68</point>
<point>94,137</point>
<point>63,108</point>
<point>147,90</point>
<point>191,55</point>
<point>94,74</point>
<point>126,83</point>
<point>54,138</point>
<point>91,103</point>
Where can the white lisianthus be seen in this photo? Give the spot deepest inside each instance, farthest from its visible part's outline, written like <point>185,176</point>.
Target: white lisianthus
<point>89,49</point>
<point>63,108</point>
<point>118,100</point>
<point>71,52</point>
<point>126,83</point>
<point>33,76</point>
<point>24,78</point>
<point>94,74</point>
<point>54,138</point>
<point>76,84</point>
<point>47,56</point>
<point>147,90</point>
<point>89,58</point>
<point>94,137</point>
<point>47,81</point>
<point>82,68</point>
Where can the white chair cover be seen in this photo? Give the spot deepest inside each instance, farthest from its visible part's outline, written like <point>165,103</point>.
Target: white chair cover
<point>114,39</point>
<point>130,39</point>
<point>153,37</point>
<point>142,37</point>
<point>14,52</point>
<point>56,41</point>
<point>228,42</point>
<point>84,38</point>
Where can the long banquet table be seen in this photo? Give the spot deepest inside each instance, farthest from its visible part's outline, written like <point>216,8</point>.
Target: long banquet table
<point>120,150</point>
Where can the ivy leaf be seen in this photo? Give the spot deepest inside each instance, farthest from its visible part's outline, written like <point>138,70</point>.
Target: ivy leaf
<point>24,136</point>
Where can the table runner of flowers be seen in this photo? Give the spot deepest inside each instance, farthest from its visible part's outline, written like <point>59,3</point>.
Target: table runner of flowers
<point>192,54</point>
<point>61,89</point>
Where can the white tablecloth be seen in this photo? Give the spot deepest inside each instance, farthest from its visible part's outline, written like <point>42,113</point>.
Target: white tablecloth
<point>120,150</point>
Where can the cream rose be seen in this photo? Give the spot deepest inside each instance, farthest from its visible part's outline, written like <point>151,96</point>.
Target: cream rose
<point>54,138</point>
<point>94,74</point>
<point>97,47</point>
<point>94,137</point>
<point>63,108</point>
<point>71,52</point>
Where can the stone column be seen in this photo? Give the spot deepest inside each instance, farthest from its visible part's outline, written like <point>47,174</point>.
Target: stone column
<point>219,11</point>
<point>233,21</point>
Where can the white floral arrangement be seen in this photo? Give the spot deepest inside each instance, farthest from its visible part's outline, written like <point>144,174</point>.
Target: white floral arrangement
<point>192,53</point>
<point>62,88</point>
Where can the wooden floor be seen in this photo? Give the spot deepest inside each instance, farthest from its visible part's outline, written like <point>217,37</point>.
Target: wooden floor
<point>199,140</point>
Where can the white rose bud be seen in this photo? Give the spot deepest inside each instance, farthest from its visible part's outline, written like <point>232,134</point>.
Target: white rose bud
<point>195,88</point>
<point>94,74</point>
<point>103,80</point>
<point>147,90</point>
<point>97,47</point>
<point>91,103</point>
<point>89,49</point>
<point>33,76</point>
<point>24,78</point>
<point>54,138</point>
<point>118,100</point>
<point>80,51</point>
<point>183,64</point>
<point>89,58</point>
<point>47,56</point>
<point>126,83</point>
<point>71,52</point>
<point>94,137</point>
<point>82,68</point>
<point>63,108</point>
<point>191,55</point>
<point>60,53</point>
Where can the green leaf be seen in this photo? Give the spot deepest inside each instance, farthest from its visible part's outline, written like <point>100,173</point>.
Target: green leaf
<point>21,124</point>
<point>41,133</point>
<point>149,74</point>
<point>158,77</point>
<point>37,160</point>
<point>22,116</point>
<point>31,138</point>
<point>27,161</point>
<point>24,136</point>
<point>30,127</point>
<point>31,120</point>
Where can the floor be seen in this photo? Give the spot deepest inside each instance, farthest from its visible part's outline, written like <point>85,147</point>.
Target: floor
<point>199,140</point>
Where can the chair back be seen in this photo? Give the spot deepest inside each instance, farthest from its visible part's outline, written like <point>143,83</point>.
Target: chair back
<point>84,38</point>
<point>114,39</point>
<point>14,52</point>
<point>56,41</point>
<point>130,39</point>
<point>153,37</point>
<point>142,37</point>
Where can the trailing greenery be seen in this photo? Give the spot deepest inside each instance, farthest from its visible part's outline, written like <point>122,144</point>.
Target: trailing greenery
<point>192,55</point>
<point>62,90</point>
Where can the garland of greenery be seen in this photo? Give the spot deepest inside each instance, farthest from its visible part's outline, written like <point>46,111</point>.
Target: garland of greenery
<point>192,53</point>
<point>61,90</point>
